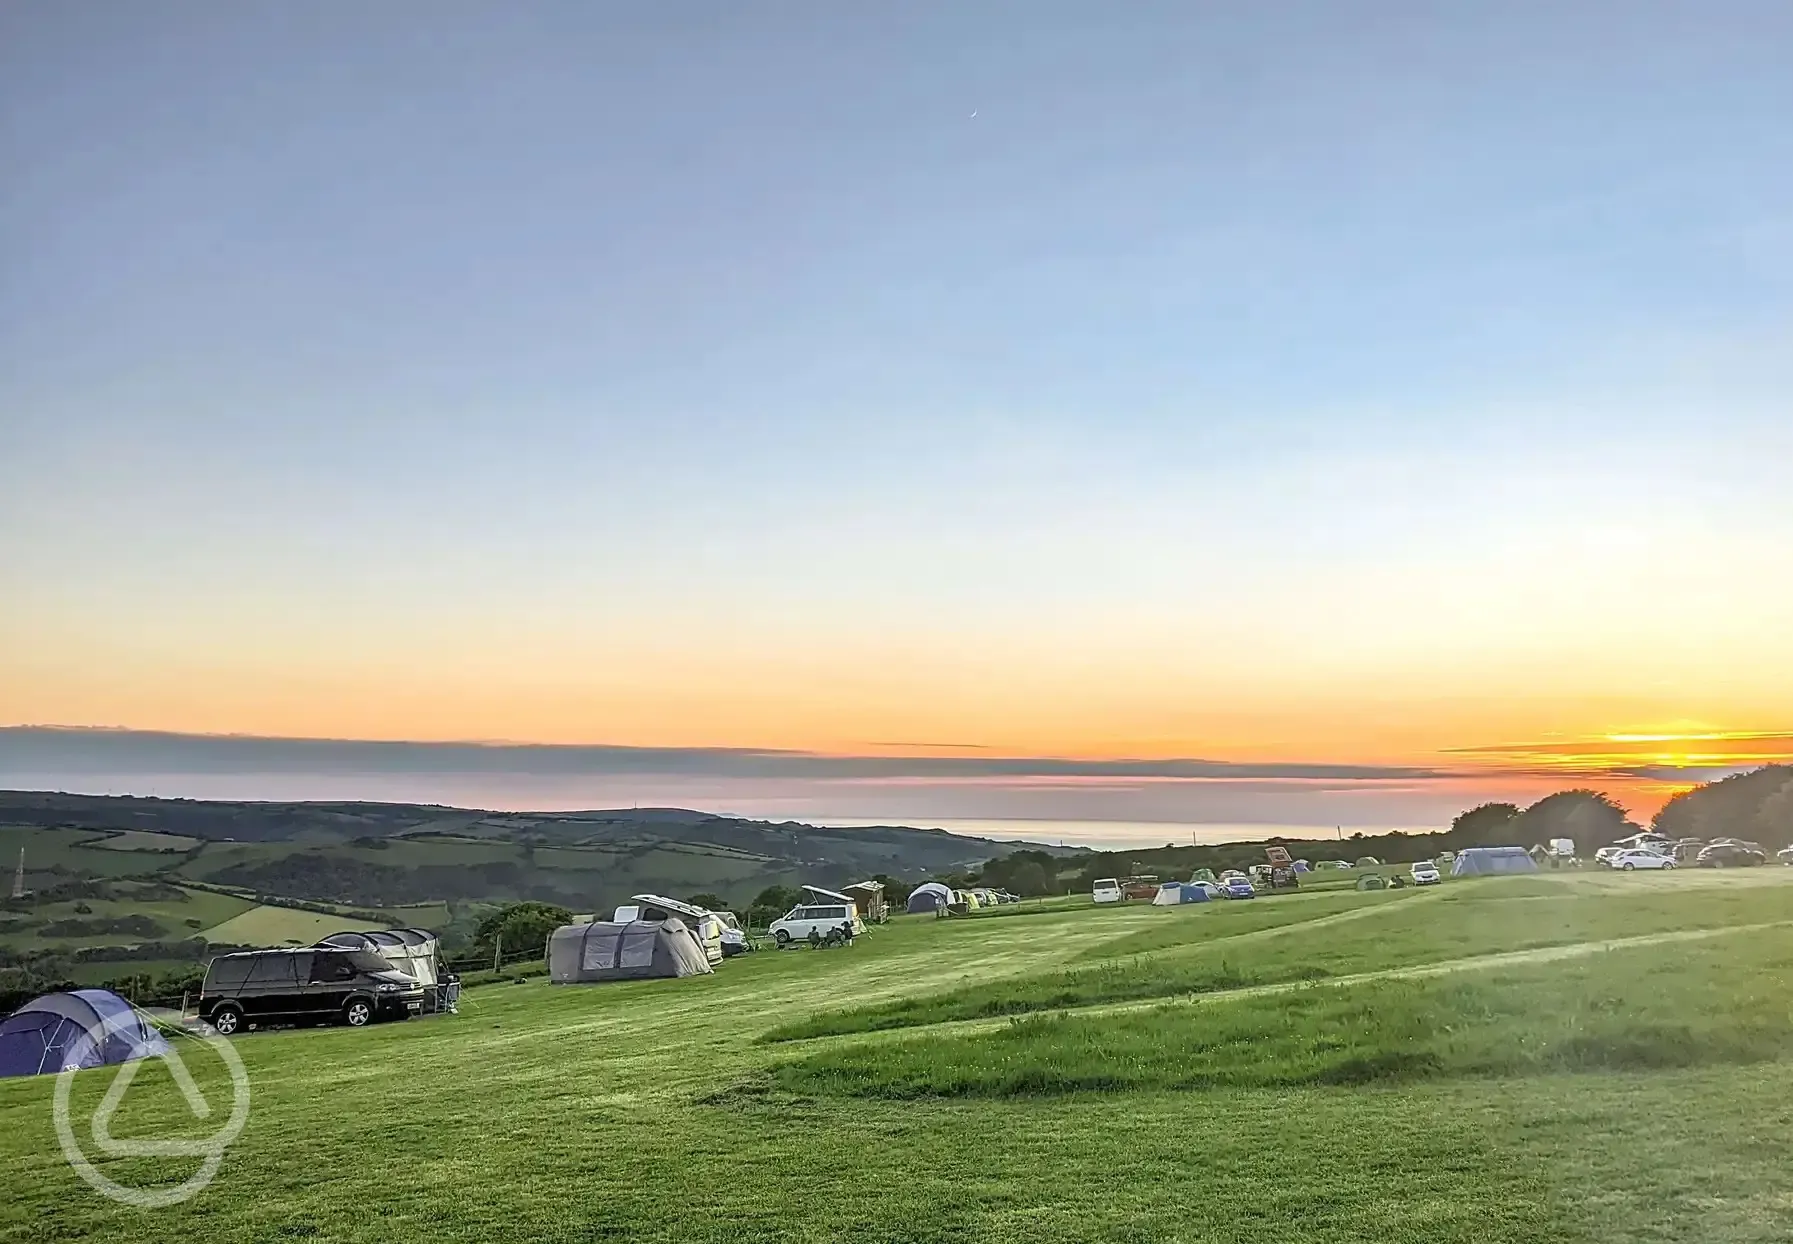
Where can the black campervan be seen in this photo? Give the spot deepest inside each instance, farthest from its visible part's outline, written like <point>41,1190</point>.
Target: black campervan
<point>320,985</point>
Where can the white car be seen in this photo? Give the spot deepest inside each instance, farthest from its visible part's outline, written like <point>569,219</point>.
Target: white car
<point>1107,890</point>
<point>1629,860</point>
<point>1425,873</point>
<point>799,922</point>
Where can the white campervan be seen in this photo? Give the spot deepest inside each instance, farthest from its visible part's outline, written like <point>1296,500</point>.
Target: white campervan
<point>1107,890</point>
<point>797,924</point>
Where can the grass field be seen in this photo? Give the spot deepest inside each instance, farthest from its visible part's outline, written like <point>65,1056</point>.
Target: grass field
<point>178,913</point>
<point>1576,1058</point>
<point>143,840</point>
<point>280,926</point>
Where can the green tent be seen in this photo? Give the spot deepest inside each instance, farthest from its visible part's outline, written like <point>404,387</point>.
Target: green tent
<point>1372,881</point>
<point>1203,874</point>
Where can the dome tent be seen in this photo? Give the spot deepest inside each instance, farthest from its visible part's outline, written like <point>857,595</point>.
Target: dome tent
<point>1372,881</point>
<point>606,950</point>
<point>929,896</point>
<point>1176,893</point>
<point>65,1031</point>
<point>1484,861</point>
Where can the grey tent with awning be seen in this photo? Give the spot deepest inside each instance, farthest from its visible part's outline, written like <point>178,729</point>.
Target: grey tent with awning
<point>607,950</point>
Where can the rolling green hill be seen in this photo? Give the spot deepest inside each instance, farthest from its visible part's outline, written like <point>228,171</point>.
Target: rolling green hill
<point>384,855</point>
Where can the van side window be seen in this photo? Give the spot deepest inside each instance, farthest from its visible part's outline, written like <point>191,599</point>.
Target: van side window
<point>230,970</point>
<point>272,970</point>
<point>331,969</point>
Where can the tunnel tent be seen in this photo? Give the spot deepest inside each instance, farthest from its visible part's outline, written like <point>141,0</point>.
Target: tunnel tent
<point>703,925</point>
<point>1488,861</point>
<point>84,1028</point>
<point>1369,861</point>
<point>929,896</point>
<point>605,950</point>
<point>1372,881</point>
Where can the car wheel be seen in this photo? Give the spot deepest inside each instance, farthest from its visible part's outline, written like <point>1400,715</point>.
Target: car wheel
<point>1628,866</point>
<point>1669,865</point>
<point>226,1020</point>
<point>782,937</point>
<point>358,1014</point>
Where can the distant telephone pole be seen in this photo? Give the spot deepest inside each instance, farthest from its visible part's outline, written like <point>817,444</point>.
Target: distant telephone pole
<point>18,878</point>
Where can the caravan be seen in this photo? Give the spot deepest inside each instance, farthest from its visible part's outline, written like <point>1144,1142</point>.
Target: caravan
<point>704,925</point>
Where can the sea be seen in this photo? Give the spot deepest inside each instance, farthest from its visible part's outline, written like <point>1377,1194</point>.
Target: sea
<point>1121,835</point>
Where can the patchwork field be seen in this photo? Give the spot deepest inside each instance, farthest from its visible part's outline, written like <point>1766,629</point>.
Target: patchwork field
<point>1576,1057</point>
<point>138,912</point>
<point>281,926</point>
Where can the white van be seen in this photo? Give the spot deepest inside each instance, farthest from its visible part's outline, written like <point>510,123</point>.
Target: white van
<point>1107,890</point>
<point>797,923</point>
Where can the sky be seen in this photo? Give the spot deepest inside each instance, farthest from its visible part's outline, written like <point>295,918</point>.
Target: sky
<point>1394,393</point>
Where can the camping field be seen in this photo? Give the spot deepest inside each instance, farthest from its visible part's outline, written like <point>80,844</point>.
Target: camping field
<point>1586,1057</point>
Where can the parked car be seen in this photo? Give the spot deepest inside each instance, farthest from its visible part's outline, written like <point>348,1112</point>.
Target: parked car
<point>1425,873</point>
<point>317,986</point>
<point>1210,888</point>
<point>799,922</point>
<point>1237,887</point>
<point>1730,855</point>
<point>1784,855</point>
<point>1107,890</point>
<point>1629,861</point>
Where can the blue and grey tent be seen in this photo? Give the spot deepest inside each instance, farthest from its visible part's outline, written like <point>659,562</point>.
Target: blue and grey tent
<point>86,1028</point>
<point>1487,861</point>
<point>929,896</point>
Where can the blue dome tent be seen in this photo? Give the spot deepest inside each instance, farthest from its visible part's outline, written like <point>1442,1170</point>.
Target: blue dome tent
<point>1487,861</point>
<point>929,896</point>
<point>86,1028</point>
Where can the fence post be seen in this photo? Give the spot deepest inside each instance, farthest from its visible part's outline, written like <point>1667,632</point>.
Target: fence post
<point>497,951</point>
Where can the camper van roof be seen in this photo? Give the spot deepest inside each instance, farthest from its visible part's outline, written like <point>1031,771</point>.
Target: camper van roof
<point>836,895</point>
<point>670,904</point>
